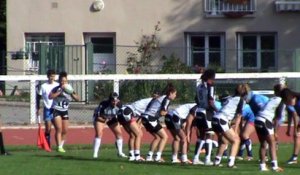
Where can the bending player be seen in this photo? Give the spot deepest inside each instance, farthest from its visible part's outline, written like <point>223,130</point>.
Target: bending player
<point>264,124</point>
<point>156,108</point>
<point>175,121</point>
<point>129,117</point>
<point>226,124</point>
<point>106,114</point>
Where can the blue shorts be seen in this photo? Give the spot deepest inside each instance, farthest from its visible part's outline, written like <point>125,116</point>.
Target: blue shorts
<point>48,114</point>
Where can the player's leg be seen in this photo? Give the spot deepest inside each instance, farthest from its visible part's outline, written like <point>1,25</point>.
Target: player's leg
<point>116,129</point>
<point>248,130</point>
<point>48,118</point>
<point>2,147</point>
<point>57,121</point>
<point>137,132</point>
<point>98,126</point>
<point>162,143</point>
<point>234,139</point>
<point>65,127</point>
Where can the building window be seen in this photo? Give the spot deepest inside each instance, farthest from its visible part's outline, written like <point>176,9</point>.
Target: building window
<point>32,40</point>
<point>205,49</point>
<point>257,52</point>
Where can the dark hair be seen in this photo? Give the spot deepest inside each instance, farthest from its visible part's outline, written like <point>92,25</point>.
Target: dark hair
<point>242,90</point>
<point>61,75</point>
<point>287,94</point>
<point>50,72</point>
<point>169,89</point>
<point>208,74</point>
<point>278,88</point>
<point>113,96</point>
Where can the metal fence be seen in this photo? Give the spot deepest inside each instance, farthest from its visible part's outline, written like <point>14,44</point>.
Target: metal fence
<point>82,59</point>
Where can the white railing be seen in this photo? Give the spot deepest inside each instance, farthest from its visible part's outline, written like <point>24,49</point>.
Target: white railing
<point>117,78</point>
<point>287,5</point>
<point>219,7</point>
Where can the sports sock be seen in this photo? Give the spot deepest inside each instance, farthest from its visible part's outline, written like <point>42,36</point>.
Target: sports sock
<point>199,146</point>
<point>208,149</point>
<point>274,164</point>
<point>248,144</point>
<point>158,155</point>
<point>231,161</point>
<point>97,143</point>
<point>119,144</point>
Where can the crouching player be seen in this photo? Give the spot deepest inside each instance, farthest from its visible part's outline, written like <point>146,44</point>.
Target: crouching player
<point>129,118</point>
<point>106,114</point>
<point>226,124</point>
<point>264,125</point>
<point>175,121</point>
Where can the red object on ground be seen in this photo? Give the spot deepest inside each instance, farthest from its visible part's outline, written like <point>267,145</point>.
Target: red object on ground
<point>41,141</point>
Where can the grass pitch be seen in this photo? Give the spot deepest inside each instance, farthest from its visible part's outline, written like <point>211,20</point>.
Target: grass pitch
<point>28,160</point>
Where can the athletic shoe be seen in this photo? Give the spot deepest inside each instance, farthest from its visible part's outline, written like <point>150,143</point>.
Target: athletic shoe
<point>149,159</point>
<point>218,165</point>
<point>239,158</point>
<point>122,155</point>
<point>249,158</point>
<point>208,163</point>
<point>292,161</point>
<point>61,150</point>
<point>264,169</point>
<point>233,166</point>
<point>131,158</point>
<point>95,156</point>
<point>278,169</point>
<point>140,159</point>
<point>188,162</point>
<point>197,162</point>
<point>161,160</point>
<point>176,161</point>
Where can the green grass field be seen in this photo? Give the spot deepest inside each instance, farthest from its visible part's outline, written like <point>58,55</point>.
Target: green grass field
<point>27,160</point>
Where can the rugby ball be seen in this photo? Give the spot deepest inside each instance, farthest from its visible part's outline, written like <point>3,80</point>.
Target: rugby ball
<point>68,89</point>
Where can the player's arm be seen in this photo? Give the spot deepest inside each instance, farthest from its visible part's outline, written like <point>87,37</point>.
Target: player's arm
<point>75,96</point>
<point>188,126</point>
<point>238,116</point>
<point>55,92</point>
<point>277,118</point>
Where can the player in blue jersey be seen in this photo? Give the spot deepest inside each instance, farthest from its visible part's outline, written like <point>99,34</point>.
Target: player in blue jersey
<point>292,100</point>
<point>61,100</point>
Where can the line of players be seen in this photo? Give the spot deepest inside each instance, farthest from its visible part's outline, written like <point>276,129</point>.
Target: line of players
<point>229,119</point>
<point>233,120</point>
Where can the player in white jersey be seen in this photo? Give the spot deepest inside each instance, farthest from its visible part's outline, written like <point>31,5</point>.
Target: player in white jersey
<point>226,124</point>
<point>43,93</point>
<point>150,118</point>
<point>61,100</point>
<point>265,124</point>
<point>204,112</point>
<point>129,118</point>
<point>175,122</point>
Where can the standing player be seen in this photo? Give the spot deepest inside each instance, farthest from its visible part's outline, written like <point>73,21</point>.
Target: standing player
<point>61,99</point>
<point>264,124</point>
<point>156,108</point>
<point>129,117</point>
<point>106,114</point>
<point>204,112</point>
<point>175,121</point>
<point>292,100</point>
<point>44,92</point>
<point>226,124</point>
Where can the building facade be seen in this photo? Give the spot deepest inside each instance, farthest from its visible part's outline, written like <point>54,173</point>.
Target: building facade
<point>236,35</point>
